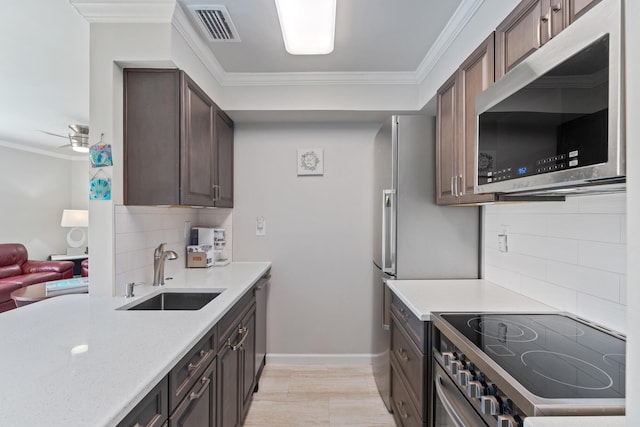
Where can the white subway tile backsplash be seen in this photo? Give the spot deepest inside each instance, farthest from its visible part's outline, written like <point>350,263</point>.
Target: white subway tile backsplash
<point>606,313</point>
<point>596,227</point>
<point>605,204</point>
<point>601,284</point>
<point>563,298</point>
<point>570,255</point>
<point>623,290</point>
<point>140,229</point>
<point>603,256</point>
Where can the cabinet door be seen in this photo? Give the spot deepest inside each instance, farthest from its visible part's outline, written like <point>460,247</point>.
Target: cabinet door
<point>197,146</point>
<point>518,36</point>
<point>475,75</point>
<point>197,409</point>
<point>248,360</point>
<point>224,160</point>
<point>577,8</point>
<point>151,135</point>
<point>228,386</point>
<point>152,411</point>
<point>553,19</point>
<point>446,142</point>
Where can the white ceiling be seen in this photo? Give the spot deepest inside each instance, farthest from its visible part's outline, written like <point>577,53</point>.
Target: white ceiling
<point>44,73</point>
<point>371,36</point>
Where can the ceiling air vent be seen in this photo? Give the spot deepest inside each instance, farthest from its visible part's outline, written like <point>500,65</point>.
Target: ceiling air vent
<point>216,23</point>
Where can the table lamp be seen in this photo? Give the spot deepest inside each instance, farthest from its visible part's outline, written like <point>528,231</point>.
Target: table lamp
<point>76,238</point>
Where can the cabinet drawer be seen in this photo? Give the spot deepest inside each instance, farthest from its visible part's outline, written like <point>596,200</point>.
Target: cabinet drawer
<point>410,363</point>
<point>417,329</point>
<point>189,370</point>
<point>404,412</point>
<point>152,411</point>
<point>198,406</point>
<point>229,323</point>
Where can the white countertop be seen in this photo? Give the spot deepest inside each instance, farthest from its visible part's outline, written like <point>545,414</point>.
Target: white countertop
<point>423,297</point>
<point>129,352</point>
<point>575,422</point>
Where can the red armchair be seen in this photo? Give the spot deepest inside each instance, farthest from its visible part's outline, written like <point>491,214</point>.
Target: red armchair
<point>84,265</point>
<point>17,271</point>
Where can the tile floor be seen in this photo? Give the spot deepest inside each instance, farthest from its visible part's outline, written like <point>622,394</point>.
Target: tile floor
<point>310,395</point>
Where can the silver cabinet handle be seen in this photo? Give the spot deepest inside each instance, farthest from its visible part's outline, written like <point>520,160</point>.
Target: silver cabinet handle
<point>404,415</point>
<point>402,354</point>
<point>216,193</point>
<point>242,330</point>
<point>452,190</point>
<point>461,189</point>
<point>191,367</point>
<point>195,396</point>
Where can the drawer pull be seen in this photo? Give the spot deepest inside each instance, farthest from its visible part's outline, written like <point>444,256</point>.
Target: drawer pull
<point>405,414</point>
<point>404,314</point>
<point>195,396</point>
<point>402,354</point>
<point>191,367</point>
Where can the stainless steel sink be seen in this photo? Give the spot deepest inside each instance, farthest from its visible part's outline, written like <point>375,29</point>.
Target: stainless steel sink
<point>176,301</point>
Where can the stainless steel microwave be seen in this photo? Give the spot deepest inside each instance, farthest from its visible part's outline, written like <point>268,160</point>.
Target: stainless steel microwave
<point>555,122</point>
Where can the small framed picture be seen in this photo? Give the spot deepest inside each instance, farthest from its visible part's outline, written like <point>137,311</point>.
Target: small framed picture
<point>310,161</point>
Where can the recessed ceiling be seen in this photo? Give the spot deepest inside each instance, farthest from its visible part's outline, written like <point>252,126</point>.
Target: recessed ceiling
<point>371,36</point>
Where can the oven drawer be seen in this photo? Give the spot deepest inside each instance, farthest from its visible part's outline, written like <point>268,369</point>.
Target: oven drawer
<point>417,329</point>
<point>411,363</point>
<point>404,412</point>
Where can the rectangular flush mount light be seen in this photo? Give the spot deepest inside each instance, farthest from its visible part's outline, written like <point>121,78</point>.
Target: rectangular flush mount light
<point>308,26</point>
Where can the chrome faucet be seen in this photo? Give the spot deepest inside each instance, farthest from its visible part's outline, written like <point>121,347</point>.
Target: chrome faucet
<point>159,257</point>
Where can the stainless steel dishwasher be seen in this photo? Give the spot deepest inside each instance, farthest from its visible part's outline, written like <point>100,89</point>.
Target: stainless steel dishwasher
<point>262,289</point>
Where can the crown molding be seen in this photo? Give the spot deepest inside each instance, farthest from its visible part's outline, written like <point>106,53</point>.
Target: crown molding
<point>125,11</point>
<point>183,26</point>
<point>456,24</point>
<point>320,79</point>
<point>42,152</point>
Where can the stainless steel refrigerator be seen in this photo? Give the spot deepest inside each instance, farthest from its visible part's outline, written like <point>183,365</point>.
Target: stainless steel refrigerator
<point>414,237</point>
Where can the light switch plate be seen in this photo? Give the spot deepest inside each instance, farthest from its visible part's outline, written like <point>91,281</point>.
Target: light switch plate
<point>261,226</point>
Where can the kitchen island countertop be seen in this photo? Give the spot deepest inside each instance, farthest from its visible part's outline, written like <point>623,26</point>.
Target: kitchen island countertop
<point>76,360</point>
<point>575,422</point>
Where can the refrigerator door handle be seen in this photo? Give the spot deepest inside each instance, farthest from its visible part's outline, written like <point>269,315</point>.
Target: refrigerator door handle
<point>388,232</point>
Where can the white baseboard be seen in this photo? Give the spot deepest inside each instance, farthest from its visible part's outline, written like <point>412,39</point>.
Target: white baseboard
<point>319,359</point>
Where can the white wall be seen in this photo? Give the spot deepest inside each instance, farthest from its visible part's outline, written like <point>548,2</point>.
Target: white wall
<point>632,10</point>
<point>35,189</point>
<point>318,235</point>
<point>570,255</point>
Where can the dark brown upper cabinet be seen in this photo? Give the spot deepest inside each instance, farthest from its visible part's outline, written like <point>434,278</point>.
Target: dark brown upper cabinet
<point>456,128</point>
<point>178,145</point>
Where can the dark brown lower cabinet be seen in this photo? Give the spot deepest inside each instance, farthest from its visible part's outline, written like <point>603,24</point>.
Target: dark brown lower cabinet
<point>236,370</point>
<point>410,367</point>
<point>212,385</point>
<point>153,409</point>
<point>198,408</point>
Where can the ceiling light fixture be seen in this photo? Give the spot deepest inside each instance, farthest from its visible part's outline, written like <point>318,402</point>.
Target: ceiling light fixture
<point>308,27</point>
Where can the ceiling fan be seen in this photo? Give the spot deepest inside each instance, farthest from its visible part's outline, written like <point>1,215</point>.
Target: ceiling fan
<point>78,138</point>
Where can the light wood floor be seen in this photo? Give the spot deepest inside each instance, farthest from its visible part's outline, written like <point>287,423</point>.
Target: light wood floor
<point>309,395</point>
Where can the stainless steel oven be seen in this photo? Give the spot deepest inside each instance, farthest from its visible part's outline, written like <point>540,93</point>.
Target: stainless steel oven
<point>496,369</point>
<point>451,409</point>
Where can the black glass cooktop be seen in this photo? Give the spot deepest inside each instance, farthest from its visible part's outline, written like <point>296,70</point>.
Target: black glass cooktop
<point>551,355</point>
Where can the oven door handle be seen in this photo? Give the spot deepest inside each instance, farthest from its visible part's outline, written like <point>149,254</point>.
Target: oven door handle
<point>462,415</point>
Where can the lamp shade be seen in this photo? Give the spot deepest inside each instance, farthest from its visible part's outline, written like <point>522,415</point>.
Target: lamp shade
<point>74,218</point>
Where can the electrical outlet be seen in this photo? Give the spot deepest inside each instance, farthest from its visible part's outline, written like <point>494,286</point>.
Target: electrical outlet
<point>261,226</point>
<point>502,243</point>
